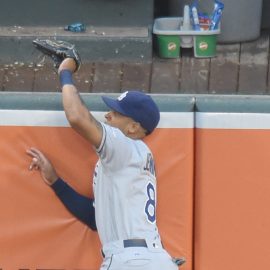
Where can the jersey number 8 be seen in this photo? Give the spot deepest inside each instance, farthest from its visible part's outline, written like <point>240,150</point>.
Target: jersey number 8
<point>150,206</point>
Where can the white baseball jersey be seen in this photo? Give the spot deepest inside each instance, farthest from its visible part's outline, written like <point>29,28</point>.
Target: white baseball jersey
<point>124,188</point>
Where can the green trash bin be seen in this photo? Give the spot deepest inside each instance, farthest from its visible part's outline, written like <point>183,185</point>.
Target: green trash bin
<point>171,38</point>
<point>205,45</point>
<point>167,37</point>
<point>168,46</point>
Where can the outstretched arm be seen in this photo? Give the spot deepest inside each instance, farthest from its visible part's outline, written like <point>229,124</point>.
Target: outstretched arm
<point>80,206</point>
<point>78,115</point>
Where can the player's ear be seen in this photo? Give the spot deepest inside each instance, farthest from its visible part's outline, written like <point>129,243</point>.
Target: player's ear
<point>136,128</point>
<point>133,127</point>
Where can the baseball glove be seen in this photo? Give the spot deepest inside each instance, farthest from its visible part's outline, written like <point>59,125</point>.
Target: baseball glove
<point>58,50</point>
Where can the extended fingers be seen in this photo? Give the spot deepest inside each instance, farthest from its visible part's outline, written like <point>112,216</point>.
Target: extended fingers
<point>35,153</point>
<point>37,158</point>
<point>32,152</point>
<point>34,164</point>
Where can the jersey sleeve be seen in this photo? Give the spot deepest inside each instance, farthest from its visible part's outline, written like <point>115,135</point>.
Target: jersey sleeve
<point>115,149</point>
<point>80,206</point>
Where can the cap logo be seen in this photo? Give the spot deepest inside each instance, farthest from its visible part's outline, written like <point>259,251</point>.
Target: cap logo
<point>122,96</point>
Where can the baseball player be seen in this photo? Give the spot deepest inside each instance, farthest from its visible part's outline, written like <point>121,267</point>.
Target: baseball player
<point>124,182</point>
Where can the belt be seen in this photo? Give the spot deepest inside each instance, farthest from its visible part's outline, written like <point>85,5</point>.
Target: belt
<point>134,243</point>
<point>131,243</point>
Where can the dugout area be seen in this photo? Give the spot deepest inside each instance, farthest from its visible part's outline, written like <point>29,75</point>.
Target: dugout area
<point>114,29</point>
<point>212,157</point>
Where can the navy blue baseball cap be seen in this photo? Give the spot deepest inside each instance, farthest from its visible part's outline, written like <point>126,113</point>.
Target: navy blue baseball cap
<point>138,106</point>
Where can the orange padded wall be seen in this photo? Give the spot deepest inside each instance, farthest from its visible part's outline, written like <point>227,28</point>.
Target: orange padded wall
<point>232,193</point>
<point>37,232</point>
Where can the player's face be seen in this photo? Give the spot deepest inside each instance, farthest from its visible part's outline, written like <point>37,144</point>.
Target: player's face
<point>118,120</point>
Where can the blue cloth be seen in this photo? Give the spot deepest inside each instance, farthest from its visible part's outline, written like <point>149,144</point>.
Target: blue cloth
<point>66,77</point>
<point>80,206</point>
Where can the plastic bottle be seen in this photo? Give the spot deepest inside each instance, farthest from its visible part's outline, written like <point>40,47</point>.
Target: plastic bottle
<point>195,18</point>
<point>216,16</point>
<point>75,27</point>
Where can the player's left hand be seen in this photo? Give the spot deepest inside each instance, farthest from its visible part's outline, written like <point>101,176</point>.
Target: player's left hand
<point>42,163</point>
<point>69,64</point>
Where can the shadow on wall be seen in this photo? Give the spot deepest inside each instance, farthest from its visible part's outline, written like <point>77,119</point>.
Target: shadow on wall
<point>161,8</point>
<point>265,15</point>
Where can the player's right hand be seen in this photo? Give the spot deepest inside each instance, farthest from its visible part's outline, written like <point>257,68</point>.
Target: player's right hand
<point>41,162</point>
